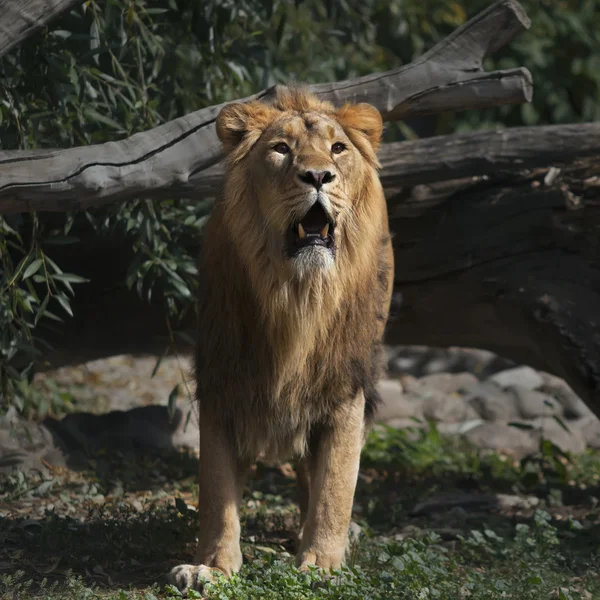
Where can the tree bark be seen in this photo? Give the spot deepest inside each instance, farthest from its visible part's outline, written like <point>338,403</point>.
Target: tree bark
<point>510,268</point>
<point>448,77</point>
<point>20,18</point>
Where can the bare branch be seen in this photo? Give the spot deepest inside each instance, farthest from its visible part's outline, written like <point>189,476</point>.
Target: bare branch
<point>449,76</point>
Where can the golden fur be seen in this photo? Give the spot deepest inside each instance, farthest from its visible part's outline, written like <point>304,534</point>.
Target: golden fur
<point>289,346</point>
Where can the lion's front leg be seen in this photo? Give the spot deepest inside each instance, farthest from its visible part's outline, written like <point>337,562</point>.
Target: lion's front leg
<point>222,477</point>
<point>334,472</point>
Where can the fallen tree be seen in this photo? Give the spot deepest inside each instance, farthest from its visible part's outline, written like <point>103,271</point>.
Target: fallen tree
<point>161,161</point>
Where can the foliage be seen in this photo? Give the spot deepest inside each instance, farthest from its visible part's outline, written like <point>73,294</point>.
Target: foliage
<point>89,540</point>
<point>561,49</point>
<point>110,68</point>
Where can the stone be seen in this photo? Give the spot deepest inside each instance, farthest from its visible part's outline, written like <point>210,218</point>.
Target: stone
<point>525,377</point>
<point>407,423</point>
<point>490,401</point>
<point>395,403</point>
<point>484,364</point>
<point>442,382</point>
<point>413,430</point>
<point>568,441</point>
<point>590,430</point>
<point>501,437</point>
<point>446,408</point>
<point>573,406</point>
<point>532,403</point>
<point>401,365</point>
<point>473,502</point>
<point>459,428</point>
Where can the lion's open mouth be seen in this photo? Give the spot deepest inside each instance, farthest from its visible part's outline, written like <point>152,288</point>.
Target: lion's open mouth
<point>316,228</point>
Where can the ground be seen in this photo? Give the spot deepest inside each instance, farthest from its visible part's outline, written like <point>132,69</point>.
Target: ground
<point>435,517</point>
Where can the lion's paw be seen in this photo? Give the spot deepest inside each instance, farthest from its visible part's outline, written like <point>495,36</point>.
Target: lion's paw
<point>192,577</point>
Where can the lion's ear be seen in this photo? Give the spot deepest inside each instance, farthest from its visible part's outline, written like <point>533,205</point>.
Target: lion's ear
<point>362,123</point>
<point>240,125</point>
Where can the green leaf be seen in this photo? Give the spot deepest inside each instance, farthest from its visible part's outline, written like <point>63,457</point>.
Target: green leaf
<point>171,404</point>
<point>186,337</point>
<point>181,288</point>
<point>181,506</point>
<point>157,365</point>
<point>33,268</point>
<point>64,302</point>
<point>52,316</point>
<point>172,591</point>
<point>561,423</point>
<point>94,115</point>
<point>70,277</point>
<point>518,425</point>
<point>62,240</point>
<point>54,266</point>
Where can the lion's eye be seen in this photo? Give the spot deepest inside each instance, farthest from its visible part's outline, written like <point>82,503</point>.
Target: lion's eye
<point>282,148</point>
<point>338,148</point>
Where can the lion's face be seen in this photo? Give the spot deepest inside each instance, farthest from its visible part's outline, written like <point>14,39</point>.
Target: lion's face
<point>307,168</point>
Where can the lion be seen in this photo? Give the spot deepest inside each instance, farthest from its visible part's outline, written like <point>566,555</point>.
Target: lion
<point>296,281</point>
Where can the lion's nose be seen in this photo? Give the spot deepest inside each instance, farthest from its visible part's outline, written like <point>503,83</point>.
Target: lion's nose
<point>317,178</point>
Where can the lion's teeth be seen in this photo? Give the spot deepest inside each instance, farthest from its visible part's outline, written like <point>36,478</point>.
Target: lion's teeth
<point>301,231</point>
<point>325,231</point>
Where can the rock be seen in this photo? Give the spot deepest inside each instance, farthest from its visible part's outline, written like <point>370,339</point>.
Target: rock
<point>442,382</point>
<point>412,429</point>
<point>568,441</point>
<point>395,403</point>
<point>524,377</point>
<point>443,501</point>
<point>406,361</point>
<point>390,389</point>
<point>503,437</point>
<point>459,428</point>
<point>447,408</point>
<point>531,403</point>
<point>423,360</point>
<point>511,501</point>
<point>573,406</point>
<point>406,423</point>
<point>485,364</point>
<point>590,430</point>
<point>490,401</point>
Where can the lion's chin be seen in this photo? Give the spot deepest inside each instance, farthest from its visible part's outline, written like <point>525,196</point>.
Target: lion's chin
<point>312,260</point>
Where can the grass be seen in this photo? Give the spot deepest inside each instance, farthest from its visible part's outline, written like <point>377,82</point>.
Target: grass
<point>112,532</point>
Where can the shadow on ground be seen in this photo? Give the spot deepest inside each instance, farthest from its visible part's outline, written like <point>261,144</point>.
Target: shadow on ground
<point>126,523</point>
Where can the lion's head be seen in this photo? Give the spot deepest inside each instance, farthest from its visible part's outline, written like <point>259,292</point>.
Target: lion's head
<point>300,180</point>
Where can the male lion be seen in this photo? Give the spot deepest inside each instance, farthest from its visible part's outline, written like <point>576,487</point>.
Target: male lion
<point>296,276</point>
